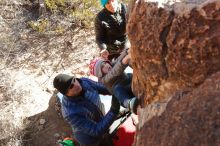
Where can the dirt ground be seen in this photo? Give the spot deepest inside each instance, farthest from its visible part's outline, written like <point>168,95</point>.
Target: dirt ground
<point>28,113</point>
<point>29,60</point>
<point>46,128</point>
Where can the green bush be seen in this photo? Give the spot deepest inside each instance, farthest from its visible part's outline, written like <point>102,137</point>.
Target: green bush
<point>39,25</point>
<point>82,10</point>
<point>54,5</point>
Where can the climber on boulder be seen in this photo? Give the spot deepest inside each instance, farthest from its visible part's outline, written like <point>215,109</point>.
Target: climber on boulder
<point>110,29</point>
<point>118,82</point>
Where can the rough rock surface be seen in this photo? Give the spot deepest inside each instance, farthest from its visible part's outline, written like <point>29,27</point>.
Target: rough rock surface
<point>176,50</point>
<point>192,118</point>
<point>171,51</point>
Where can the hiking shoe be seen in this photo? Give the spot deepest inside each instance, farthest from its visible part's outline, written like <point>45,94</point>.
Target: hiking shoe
<point>133,104</point>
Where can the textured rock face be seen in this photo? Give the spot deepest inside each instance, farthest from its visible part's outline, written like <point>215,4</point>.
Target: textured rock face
<point>176,60</point>
<point>171,50</point>
<point>192,118</point>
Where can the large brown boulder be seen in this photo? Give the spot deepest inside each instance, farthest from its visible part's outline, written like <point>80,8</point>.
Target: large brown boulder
<point>172,46</point>
<point>191,118</point>
<point>176,51</point>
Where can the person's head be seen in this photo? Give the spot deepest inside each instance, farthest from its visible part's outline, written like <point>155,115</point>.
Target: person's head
<point>67,85</point>
<point>111,5</point>
<point>106,67</point>
<point>101,68</point>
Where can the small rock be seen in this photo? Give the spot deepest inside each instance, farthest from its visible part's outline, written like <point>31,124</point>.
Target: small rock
<point>82,73</point>
<point>41,127</point>
<point>49,90</point>
<point>57,135</point>
<point>27,122</point>
<point>42,121</point>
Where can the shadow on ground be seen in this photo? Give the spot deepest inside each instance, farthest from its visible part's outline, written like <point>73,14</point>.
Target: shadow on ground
<point>46,128</point>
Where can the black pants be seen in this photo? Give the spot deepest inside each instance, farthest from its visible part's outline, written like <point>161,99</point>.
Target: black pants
<point>105,141</point>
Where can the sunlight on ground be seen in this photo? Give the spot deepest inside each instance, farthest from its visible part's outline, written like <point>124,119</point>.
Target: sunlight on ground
<point>36,97</point>
<point>25,98</point>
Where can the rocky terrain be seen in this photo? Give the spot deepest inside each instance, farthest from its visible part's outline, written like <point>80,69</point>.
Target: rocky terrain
<point>30,59</point>
<point>176,62</point>
<point>175,46</point>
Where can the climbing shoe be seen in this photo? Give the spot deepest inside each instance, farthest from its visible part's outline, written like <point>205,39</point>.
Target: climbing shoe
<point>133,104</point>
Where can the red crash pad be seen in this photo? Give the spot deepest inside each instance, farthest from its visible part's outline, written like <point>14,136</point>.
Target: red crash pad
<point>125,133</point>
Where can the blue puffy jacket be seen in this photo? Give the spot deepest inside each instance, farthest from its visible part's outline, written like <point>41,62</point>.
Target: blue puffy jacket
<point>84,113</point>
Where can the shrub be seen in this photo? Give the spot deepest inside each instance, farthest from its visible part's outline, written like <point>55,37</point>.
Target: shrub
<point>39,25</point>
<point>53,5</point>
<point>81,10</point>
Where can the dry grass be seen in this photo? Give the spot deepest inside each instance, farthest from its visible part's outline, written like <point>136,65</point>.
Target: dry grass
<point>29,60</point>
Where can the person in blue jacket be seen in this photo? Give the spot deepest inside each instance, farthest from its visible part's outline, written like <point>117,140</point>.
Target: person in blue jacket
<point>82,108</point>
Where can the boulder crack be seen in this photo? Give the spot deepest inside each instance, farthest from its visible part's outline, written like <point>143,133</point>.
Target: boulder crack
<point>163,39</point>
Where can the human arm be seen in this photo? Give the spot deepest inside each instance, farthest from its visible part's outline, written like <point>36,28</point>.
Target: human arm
<point>96,129</point>
<point>100,34</point>
<point>126,60</point>
<point>104,54</point>
<point>98,86</point>
<point>117,69</point>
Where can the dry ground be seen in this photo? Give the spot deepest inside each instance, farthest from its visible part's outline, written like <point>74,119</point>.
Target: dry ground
<point>26,89</point>
<point>29,61</point>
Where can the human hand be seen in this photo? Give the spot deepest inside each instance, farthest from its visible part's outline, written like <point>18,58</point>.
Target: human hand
<point>104,54</point>
<point>118,43</point>
<point>126,59</point>
<point>129,51</point>
<point>115,105</point>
